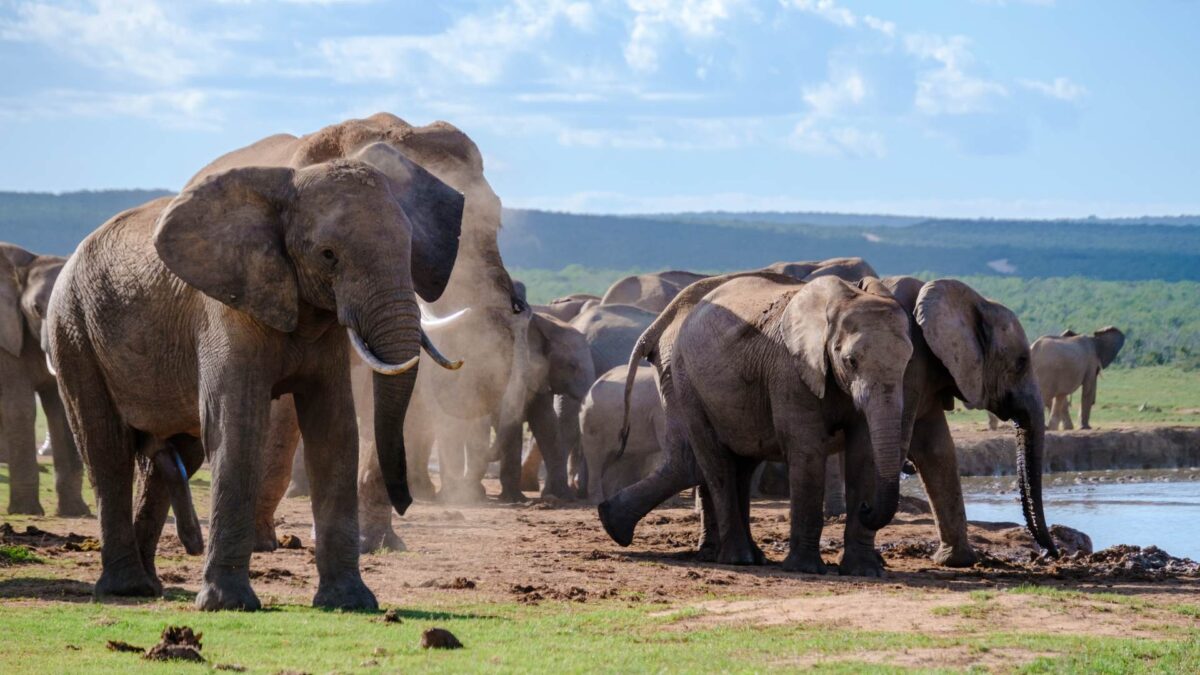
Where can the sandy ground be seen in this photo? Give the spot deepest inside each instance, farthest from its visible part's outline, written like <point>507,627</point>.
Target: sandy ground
<point>547,551</point>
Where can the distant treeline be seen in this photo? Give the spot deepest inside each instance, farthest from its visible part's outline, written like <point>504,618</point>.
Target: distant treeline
<point>1161,320</point>
<point>545,240</point>
<point>56,223</point>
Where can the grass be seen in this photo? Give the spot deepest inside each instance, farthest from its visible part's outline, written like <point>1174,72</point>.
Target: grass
<point>507,637</point>
<point>1151,395</point>
<point>17,555</point>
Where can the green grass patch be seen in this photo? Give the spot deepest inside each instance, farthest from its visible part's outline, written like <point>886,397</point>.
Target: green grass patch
<point>17,555</point>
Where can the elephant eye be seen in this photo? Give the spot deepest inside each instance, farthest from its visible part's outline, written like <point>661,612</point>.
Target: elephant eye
<point>851,362</point>
<point>329,255</point>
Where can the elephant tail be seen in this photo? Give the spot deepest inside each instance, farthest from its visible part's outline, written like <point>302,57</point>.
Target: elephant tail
<point>641,350</point>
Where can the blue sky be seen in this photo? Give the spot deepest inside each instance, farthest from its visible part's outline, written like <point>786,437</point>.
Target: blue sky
<point>971,108</point>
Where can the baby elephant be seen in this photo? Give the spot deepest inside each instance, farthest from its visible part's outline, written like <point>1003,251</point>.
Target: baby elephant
<point>609,468</point>
<point>1064,363</point>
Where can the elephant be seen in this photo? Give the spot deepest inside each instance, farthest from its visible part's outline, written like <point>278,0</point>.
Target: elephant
<point>651,292</point>
<point>560,367</point>
<point>973,349</point>
<point>1064,363</point>
<point>177,322</point>
<point>601,422</point>
<point>568,307</point>
<point>765,369</point>
<point>26,283</point>
<point>847,269</point>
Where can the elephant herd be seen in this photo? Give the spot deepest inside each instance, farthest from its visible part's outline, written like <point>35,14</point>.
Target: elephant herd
<point>284,317</point>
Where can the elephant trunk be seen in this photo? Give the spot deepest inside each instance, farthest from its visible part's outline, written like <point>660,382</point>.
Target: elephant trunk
<point>1028,416</point>
<point>391,335</point>
<point>884,421</point>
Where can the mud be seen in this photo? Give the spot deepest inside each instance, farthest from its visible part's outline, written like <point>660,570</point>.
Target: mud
<point>994,453</point>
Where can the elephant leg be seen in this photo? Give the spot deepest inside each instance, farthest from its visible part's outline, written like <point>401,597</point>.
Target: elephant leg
<point>283,434</point>
<point>508,442</point>
<point>18,413</point>
<point>374,509</point>
<point>1065,413</point>
<point>568,411</point>
<point>236,410</point>
<point>107,446</point>
<point>151,512</point>
<point>531,467</point>
<point>859,557</point>
<point>720,470</point>
<point>746,470</point>
<point>932,451</point>
<point>993,422</point>
<point>678,471</point>
<point>298,486</point>
<point>544,425</point>
<point>68,465</point>
<point>708,542</point>
<point>804,444</point>
<point>835,485</point>
<point>330,431</point>
<point>1087,400</point>
<point>418,445</point>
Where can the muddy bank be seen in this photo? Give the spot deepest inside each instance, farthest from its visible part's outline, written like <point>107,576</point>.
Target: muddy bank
<point>1143,448</point>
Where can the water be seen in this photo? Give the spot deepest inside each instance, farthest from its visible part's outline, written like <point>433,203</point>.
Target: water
<point>1164,514</point>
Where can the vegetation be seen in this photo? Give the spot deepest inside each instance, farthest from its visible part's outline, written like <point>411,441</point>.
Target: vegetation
<point>1161,319</point>
<point>16,555</point>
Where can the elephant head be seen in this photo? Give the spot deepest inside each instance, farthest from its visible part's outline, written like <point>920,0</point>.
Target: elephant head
<point>566,354</point>
<point>26,281</point>
<point>341,237</point>
<point>859,340</point>
<point>984,349</point>
<point>1107,342</point>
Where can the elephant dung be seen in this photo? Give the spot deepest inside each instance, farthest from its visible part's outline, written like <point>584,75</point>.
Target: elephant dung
<point>439,638</point>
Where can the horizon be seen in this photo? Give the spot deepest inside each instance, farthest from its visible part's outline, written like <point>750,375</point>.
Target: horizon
<point>645,106</point>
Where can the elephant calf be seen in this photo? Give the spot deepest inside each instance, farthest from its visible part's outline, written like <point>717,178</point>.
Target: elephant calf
<point>611,468</point>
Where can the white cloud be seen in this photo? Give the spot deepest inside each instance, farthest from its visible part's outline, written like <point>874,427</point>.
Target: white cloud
<point>1060,88</point>
<point>475,48</point>
<point>949,89</point>
<point>829,97</point>
<point>187,109</point>
<point>822,130</point>
<point>826,9</point>
<point>653,20</point>
<point>883,26</point>
<point>126,37</point>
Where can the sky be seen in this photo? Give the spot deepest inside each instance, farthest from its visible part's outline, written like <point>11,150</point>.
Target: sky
<point>996,108</point>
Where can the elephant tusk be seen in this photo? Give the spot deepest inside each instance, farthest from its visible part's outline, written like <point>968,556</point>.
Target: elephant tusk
<point>428,320</point>
<point>50,366</point>
<point>434,354</point>
<point>374,362</point>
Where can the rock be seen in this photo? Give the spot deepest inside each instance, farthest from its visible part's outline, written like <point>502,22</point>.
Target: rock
<point>913,505</point>
<point>439,638</point>
<point>1070,540</point>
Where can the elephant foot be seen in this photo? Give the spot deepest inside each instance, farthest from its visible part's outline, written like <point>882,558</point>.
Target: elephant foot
<point>347,592</point>
<point>227,590</point>
<point>384,538</point>
<point>707,552</point>
<point>860,563</point>
<point>512,496</point>
<point>618,528</point>
<point>805,563</point>
<point>25,505</point>
<point>1085,426</point>
<point>422,490</point>
<point>128,581</point>
<point>265,540</point>
<point>962,556</point>
<point>73,507</point>
<point>557,490</point>
<point>462,492</point>
<point>739,555</point>
<point>296,490</point>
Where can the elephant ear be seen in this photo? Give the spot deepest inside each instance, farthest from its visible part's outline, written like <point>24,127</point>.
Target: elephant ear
<point>12,320</point>
<point>1068,333</point>
<point>1109,341</point>
<point>225,237</point>
<point>874,287</point>
<point>807,335</point>
<point>951,321</point>
<point>435,210</point>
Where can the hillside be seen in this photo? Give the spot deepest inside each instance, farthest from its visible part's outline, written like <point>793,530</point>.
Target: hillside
<point>55,223</point>
<point>545,240</point>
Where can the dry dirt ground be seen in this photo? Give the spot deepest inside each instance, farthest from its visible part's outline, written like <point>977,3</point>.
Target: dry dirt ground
<point>551,551</point>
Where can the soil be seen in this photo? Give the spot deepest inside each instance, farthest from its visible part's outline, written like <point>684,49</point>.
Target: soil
<point>544,551</point>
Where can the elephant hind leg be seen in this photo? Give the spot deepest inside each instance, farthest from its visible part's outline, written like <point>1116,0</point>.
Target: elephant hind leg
<point>17,415</point>
<point>283,435</point>
<point>108,447</point>
<point>68,467</point>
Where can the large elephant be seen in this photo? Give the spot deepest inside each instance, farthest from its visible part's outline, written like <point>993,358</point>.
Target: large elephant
<point>26,282</point>
<point>1064,363</point>
<point>175,324</point>
<point>765,369</point>
<point>847,269</point>
<point>601,424</point>
<point>651,292</point>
